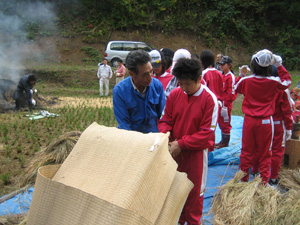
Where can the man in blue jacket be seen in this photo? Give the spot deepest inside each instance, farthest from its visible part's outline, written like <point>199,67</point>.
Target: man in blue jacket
<point>138,100</point>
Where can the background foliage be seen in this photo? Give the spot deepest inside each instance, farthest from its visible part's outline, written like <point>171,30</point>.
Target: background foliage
<point>275,24</point>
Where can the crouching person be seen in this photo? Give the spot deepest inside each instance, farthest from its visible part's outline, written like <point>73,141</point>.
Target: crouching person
<point>191,115</point>
<point>24,90</point>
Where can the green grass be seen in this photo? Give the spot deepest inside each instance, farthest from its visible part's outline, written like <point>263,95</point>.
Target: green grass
<point>5,177</point>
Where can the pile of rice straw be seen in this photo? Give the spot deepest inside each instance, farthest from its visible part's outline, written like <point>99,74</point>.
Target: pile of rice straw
<point>252,203</point>
<point>290,179</point>
<point>55,153</point>
<point>12,219</point>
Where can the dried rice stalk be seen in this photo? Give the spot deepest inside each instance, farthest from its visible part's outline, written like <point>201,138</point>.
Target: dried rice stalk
<point>55,153</point>
<point>289,211</point>
<point>12,219</point>
<point>245,203</point>
<point>290,179</point>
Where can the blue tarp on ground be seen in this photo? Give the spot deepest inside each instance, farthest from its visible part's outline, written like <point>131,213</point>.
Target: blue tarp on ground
<point>223,164</point>
<point>17,205</point>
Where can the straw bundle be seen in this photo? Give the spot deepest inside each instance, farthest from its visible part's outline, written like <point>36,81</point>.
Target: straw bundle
<point>290,179</point>
<point>245,203</point>
<point>12,219</point>
<point>288,212</point>
<point>55,153</point>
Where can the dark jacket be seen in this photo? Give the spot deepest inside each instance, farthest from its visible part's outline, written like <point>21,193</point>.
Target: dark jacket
<point>24,85</point>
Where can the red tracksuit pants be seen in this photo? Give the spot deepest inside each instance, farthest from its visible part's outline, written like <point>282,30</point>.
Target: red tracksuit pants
<point>225,124</point>
<point>256,145</point>
<point>195,164</point>
<point>277,150</point>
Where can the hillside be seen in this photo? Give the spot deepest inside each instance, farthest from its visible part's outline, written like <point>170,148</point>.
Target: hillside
<point>71,50</point>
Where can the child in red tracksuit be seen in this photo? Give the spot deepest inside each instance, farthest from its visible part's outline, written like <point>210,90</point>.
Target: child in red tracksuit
<point>212,76</point>
<point>190,116</point>
<point>260,90</point>
<point>227,98</point>
<point>283,122</point>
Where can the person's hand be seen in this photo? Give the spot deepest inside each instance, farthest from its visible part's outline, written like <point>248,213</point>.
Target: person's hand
<point>32,102</point>
<point>243,70</point>
<point>174,149</point>
<point>220,104</point>
<point>277,60</point>
<point>288,135</point>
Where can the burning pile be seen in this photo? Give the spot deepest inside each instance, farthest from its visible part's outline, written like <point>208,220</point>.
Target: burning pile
<point>7,97</point>
<point>7,90</point>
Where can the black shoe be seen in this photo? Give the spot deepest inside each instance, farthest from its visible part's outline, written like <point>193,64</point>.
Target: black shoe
<point>272,182</point>
<point>255,174</point>
<point>224,142</point>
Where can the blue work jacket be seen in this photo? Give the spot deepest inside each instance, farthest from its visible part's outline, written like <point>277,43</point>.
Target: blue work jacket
<point>135,112</point>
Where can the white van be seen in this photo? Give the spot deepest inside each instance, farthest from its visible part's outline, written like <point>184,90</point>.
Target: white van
<point>119,50</point>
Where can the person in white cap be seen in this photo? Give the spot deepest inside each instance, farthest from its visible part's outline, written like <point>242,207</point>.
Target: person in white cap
<point>159,65</point>
<point>283,122</point>
<point>180,53</point>
<point>260,90</point>
<point>104,74</point>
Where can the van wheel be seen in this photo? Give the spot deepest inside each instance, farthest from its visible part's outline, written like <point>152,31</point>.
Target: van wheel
<point>114,62</point>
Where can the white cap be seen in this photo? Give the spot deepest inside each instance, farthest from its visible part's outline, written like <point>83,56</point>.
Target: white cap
<point>264,58</point>
<point>180,53</point>
<point>155,58</point>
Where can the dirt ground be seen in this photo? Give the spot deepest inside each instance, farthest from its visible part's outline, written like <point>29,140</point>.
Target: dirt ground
<point>77,101</point>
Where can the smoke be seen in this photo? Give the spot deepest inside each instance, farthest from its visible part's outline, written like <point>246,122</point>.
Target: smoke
<point>21,24</point>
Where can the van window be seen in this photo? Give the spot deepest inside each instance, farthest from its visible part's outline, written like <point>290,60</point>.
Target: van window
<point>144,47</point>
<point>128,46</point>
<point>116,46</point>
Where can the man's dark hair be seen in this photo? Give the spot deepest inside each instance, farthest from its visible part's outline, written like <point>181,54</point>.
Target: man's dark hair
<point>207,58</point>
<point>169,54</point>
<point>259,70</point>
<point>31,77</point>
<point>137,58</point>
<point>120,60</point>
<point>187,69</point>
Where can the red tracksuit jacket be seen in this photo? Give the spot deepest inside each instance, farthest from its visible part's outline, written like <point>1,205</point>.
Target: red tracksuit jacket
<point>283,109</point>
<point>164,79</point>
<point>191,119</point>
<point>229,94</point>
<point>259,92</point>
<point>214,81</point>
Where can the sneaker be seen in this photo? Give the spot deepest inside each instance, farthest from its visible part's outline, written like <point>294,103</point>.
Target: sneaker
<point>255,174</point>
<point>273,181</point>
